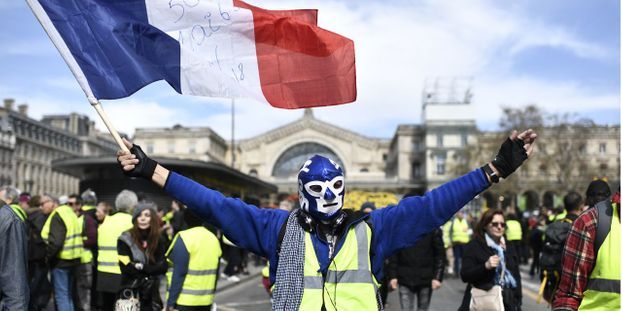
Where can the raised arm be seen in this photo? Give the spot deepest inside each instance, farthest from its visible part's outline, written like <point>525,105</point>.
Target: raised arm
<point>403,225</point>
<point>246,225</point>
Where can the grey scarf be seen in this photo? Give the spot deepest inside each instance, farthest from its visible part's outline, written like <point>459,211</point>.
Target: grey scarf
<point>289,284</point>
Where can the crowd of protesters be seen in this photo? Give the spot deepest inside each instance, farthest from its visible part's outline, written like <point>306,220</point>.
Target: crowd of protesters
<point>79,253</point>
<point>484,255</point>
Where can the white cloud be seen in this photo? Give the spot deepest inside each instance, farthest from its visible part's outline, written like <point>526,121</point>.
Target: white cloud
<point>27,47</point>
<point>131,113</point>
<point>553,97</point>
<point>62,82</point>
<point>398,46</point>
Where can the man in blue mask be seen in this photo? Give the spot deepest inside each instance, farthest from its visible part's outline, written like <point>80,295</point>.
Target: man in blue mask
<point>321,188</point>
<point>323,257</point>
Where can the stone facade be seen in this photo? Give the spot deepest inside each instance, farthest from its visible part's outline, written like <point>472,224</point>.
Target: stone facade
<point>192,143</point>
<point>416,159</point>
<point>28,147</point>
<point>276,156</point>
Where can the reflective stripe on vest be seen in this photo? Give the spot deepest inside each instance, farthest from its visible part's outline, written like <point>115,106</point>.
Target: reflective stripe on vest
<point>460,231</point>
<point>265,272</point>
<point>514,231</point>
<point>72,246</point>
<point>603,287</point>
<point>107,235</point>
<point>349,283</point>
<point>87,255</point>
<point>19,211</point>
<point>204,253</point>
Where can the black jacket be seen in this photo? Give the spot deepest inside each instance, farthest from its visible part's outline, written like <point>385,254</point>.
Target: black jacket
<point>144,281</point>
<point>474,272</point>
<point>36,245</point>
<point>420,264</point>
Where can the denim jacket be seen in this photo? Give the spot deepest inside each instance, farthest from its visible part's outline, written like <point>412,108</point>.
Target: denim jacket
<point>14,292</point>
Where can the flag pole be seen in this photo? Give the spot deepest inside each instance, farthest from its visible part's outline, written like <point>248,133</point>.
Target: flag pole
<point>232,132</point>
<point>102,114</point>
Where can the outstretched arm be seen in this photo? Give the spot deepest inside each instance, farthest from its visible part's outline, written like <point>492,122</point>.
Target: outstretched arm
<point>403,225</point>
<point>246,225</point>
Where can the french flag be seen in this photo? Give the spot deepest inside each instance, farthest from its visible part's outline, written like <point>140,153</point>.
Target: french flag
<point>215,48</point>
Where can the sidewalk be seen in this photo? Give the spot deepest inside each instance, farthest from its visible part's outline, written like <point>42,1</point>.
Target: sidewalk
<point>224,284</point>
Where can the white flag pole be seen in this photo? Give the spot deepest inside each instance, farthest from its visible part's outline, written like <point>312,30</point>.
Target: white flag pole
<point>102,114</point>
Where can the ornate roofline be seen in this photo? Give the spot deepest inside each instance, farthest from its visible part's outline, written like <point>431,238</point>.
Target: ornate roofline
<point>306,122</point>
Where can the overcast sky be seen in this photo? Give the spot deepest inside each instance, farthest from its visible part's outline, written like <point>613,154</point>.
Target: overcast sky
<point>561,55</point>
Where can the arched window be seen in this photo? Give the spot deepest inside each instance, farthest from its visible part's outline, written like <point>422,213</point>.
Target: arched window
<point>290,161</point>
<point>253,172</point>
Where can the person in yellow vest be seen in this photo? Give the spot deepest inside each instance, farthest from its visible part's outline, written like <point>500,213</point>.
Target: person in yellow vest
<point>63,234</point>
<point>13,254</point>
<point>83,206</point>
<point>141,257</point>
<point>590,278</point>
<point>514,231</point>
<point>558,213</point>
<point>459,234</point>
<point>449,252</point>
<point>327,257</point>
<point>108,272</point>
<point>193,259</point>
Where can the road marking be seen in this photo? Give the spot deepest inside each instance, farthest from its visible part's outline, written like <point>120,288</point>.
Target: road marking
<point>531,294</point>
<point>243,304</point>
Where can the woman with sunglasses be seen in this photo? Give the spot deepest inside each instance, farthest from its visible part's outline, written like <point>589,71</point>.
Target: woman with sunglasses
<point>489,264</point>
<point>141,258</point>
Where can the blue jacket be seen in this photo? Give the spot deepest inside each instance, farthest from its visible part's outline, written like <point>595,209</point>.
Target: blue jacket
<point>181,259</point>
<point>394,228</point>
<point>14,292</point>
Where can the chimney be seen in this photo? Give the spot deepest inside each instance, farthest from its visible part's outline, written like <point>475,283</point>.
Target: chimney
<point>23,110</point>
<point>8,103</point>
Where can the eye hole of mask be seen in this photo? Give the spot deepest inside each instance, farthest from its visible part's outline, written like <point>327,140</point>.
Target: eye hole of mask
<point>338,184</point>
<point>316,188</point>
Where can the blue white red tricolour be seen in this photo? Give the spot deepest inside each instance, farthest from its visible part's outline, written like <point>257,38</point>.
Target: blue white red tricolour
<point>215,48</point>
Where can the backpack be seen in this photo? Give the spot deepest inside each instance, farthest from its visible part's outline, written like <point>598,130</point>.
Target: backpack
<point>554,239</point>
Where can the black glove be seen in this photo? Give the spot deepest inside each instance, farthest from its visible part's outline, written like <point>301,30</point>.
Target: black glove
<point>145,167</point>
<point>511,155</point>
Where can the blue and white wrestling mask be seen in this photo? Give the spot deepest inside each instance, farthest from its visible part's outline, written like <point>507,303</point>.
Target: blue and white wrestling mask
<point>321,188</point>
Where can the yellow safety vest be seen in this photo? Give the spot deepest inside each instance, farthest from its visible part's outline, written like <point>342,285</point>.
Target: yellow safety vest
<point>559,216</point>
<point>72,246</point>
<point>349,283</point>
<point>200,282</point>
<point>265,272</point>
<point>603,286</point>
<point>446,237</point>
<point>86,208</point>
<point>87,255</point>
<point>514,231</point>
<point>19,211</point>
<point>460,231</point>
<point>107,235</point>
<point>167,217</point>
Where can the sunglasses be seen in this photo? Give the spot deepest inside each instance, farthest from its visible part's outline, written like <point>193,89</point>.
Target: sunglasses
<point>497,224</point>
<point>73,203</point>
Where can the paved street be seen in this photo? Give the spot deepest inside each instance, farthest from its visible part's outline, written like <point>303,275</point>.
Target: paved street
<point>251,295</point>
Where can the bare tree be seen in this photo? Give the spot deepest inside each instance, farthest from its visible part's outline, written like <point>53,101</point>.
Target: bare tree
<point>561,150</point>
<point>567,136</point>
